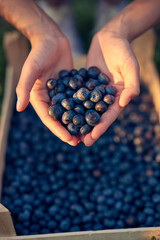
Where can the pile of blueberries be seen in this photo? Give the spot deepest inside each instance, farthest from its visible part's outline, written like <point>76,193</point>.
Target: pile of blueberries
<point>52,187</point>
<point>79,98</point>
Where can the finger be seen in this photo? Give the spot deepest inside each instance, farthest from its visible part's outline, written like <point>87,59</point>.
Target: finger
<point>30,72</point>
<point>131,83</point>
<point>106,120</point>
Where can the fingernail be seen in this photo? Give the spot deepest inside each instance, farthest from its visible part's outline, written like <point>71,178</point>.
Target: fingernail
<point>18,104</point>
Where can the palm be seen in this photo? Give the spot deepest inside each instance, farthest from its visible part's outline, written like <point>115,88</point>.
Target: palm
<point>115,58</point>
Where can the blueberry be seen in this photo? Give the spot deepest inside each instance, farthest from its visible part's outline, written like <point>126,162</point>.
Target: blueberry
<point>95,96</point>
<point>92,118</point>
<point>58,98</point>
<point>53,210</point>
<point>109,99</point>
<point>83,94</point>
<point>85,129</point>
<point>109,223</point>
<point>88,104</point>
<point>52,225</point>
<point>24,216</point>
<point>63,74</point>
<point>65,224</point>
<point>65,81</point>
<point>60,88</point>
<point>75,83</point>
<point>55,111</point>
<point>83,73</point>
<point>75,98</point>
<point>73,72</point>
<point>101,88</point>
<point>73,129</point>
<point>79,109</point>
<point>101,107</point>
<point>69,93</point>
<point>103,78</point>
<point>68,116</point>
<point>111,90</point>
<point>51,83</point>
<point>93,72</point>
<point>79,120</point>
<point>91,84</point>
<point>68,103</point>
<point>52,93</point>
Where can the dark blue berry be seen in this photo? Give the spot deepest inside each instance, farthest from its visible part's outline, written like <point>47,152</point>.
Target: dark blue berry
<point>101,107</point>
<point>101,88</point>
<point>63,74</point>
<point>109,99</point>
<point>83,73</point>
<point>83,94</point>
<point>75,98</point>
<point>103,78</point>
<point>88,104</point>
<point>111,90</point>
<point>79,120</point>
<point>79,109</point>
<point>73,72</point>
<point>55,111</point>
<point>95,96</point>
<point>51,83</point>
<point>85,129</point>
<point>93,72</point>
<point>69,93</point>
<point>65,81</point>
<point>65,224</point>
<point>58,98</point>
<point>73,129</point>
<point>92,118</point>
<point>91,84</point>
<point>75,83</point>
<point>68,116</point>
<point>60,88</point>
<point>52,93</point>
<point>68,103</point>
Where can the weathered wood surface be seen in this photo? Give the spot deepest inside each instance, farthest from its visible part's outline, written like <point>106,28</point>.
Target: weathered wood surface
<point>16,50</point>
<point>121,234</point>
<point>6,225</point>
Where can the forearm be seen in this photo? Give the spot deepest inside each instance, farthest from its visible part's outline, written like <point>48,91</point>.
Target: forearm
<point>135,19</point>
<point>28,18</point>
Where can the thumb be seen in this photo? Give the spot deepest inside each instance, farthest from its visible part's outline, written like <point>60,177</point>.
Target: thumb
<point>29,74</point>
<point>131,84</point>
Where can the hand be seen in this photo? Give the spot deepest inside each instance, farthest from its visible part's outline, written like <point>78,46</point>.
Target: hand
<point>48,56</point>
<point>113,55</point>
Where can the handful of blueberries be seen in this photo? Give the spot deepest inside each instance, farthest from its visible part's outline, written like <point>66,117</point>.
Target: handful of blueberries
<point>79,98</point>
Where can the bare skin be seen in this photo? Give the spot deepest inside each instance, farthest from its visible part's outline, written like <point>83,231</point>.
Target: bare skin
<point>110,50</point>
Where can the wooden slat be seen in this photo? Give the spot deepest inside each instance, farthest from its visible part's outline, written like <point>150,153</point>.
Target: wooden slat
<point>6,225</point>
<point>121,234</point>
<point>15,47</point>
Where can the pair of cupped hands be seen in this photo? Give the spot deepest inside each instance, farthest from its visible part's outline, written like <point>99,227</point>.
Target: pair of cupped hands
<point>50,53</point>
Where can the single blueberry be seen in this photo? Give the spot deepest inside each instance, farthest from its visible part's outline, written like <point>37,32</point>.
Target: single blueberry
<point>109,99</point>
<point>52,225</point>
<point>101,107</point>
<point>92,118</point>
<point>79,120</point>
<point>93,72</point>
<point>73,72</point>
<point>68,103</point>
<point>67,116</point>
<point>65,224</point>
<point>51,83</point>
<point>60,88</point>
<point>52,93</point>
<point>103,78</point>
<point>91,84</point>
<point>111,90</point>
<point>73,129</point>
<point>69,93</point>
<point>95,96</point>
<point>88,104</point>
<point>63,74</point>
<point>53,210</point>
<point>75,83</point>
<point>58,98</point>
<point>55,111</point>
<point>24,216</point>
<point>101,88</point>
<point>83,73</point>
<point>75,98</point>
<point>83,94</point>
<point>79,109</point>
<point>109,223</point>
<point>65,81</point>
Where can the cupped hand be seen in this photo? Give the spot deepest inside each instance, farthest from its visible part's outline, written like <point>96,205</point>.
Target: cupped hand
<point>47,57</point>
<point>113,55</point>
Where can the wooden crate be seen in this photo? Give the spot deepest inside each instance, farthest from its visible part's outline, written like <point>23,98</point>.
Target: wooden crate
<point>16,53</point>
